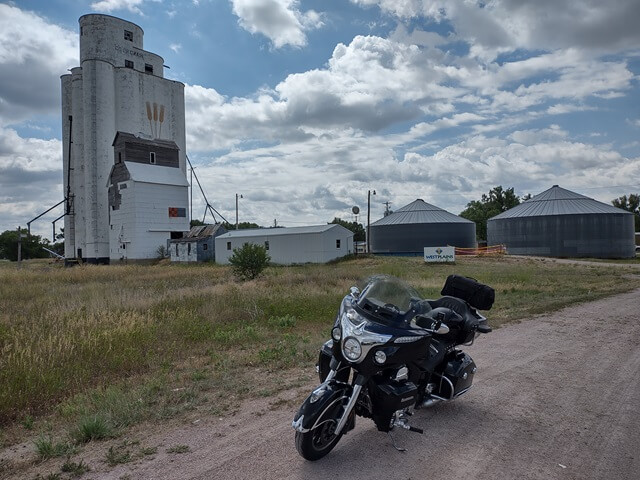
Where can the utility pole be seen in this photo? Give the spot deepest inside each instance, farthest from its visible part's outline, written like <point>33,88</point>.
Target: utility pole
<point>237,209</point>
<point>19,245</point>
<point>369,217</point>
<point>191,198</point>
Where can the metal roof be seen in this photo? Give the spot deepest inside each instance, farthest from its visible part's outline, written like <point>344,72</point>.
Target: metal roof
<point>141,172</point>
<point>262,232</point>
<point>202,231</point>
<point>419,211</point>
<point>558,201</point>
<point>128,137</point>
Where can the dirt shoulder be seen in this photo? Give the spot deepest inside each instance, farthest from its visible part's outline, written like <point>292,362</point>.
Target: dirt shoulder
<point>554,397</point>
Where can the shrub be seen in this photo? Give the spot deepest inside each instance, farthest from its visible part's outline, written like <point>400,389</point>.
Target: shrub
<point>249,261</point>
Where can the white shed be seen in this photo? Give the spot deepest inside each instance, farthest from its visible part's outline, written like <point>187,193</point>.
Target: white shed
<point>313,244</point>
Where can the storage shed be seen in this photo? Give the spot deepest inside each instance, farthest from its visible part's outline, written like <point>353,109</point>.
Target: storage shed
<point>312,244</point>
<point>562,223</point>
<point>417,225</point>
<point>198,245</point>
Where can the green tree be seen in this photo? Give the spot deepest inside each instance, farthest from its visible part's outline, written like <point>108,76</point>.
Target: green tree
<point>31,245</point>
<point>630,204</point>
<point>241,226</point>
<point>249,261</point>
<point>497,201</point>
<point>356,228</point>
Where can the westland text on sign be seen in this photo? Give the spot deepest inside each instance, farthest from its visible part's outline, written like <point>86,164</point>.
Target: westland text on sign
<point>439,254</point>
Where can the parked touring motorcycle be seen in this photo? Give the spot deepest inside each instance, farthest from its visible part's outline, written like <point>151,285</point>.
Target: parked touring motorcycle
<point>390,352</point>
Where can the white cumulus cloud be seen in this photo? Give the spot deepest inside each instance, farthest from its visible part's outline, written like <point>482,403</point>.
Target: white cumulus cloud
<point>281,21</point>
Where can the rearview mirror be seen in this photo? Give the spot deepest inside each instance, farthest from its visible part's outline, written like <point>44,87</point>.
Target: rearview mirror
<point>355,292</point>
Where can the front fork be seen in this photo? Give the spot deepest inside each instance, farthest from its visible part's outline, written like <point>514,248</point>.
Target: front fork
<point>357,387</point>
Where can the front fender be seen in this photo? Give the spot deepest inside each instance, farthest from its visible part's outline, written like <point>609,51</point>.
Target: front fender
<point>325,402</point>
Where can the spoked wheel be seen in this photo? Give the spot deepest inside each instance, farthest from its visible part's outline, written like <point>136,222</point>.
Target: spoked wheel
<point>316,443</point>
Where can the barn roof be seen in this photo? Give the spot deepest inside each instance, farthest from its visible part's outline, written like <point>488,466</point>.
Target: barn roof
<point>419,211</point>
<point>559,201</point>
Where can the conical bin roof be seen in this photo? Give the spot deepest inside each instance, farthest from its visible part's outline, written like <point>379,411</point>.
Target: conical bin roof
<point>558,201</point>
<point>417,212</point>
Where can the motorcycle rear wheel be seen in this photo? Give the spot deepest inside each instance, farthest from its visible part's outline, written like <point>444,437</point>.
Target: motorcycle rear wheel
<point>316,443</point>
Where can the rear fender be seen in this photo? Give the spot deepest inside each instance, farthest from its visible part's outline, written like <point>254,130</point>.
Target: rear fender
<point>325,402</point>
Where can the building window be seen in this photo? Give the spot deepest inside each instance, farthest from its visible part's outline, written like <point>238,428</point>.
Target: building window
<point>188,249</point>
<point>119,157</point>
<point>148,68</point>
<point>128,35</point>
<point>152,158</point>
<point>81,31</point>
<point>128,64</point>
<point>266,245</point>
<point>228,245</point>
<point>338,243</point>
<point>176,249</point>
<point>205,246</point>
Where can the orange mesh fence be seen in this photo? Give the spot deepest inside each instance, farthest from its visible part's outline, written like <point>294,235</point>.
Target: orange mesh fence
<point>489,250</point>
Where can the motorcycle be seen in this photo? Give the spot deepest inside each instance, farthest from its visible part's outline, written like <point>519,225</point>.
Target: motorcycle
<point>391,352</point>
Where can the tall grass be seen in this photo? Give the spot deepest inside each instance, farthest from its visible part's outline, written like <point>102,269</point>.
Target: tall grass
<point>66,332</point>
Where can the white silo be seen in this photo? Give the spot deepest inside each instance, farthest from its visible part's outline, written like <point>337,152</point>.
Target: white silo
<point>118,87</point>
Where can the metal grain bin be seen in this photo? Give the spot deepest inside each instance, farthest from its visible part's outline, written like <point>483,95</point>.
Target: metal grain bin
<point>562,223</point>
<point>417,225</point>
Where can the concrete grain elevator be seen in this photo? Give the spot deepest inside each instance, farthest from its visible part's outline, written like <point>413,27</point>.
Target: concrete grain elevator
<point>118,92</point>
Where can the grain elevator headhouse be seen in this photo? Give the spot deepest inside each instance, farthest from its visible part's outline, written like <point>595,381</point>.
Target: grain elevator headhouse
<point>123,127</point>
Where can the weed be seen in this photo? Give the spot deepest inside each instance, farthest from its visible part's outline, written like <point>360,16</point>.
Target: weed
<point>27,422</point>
<point>46,447</point>
<point>149,451</point>
<point>50,476</point>
<point>118,454</point>
<point>179,449</point>
<point>286,321</point>
<point>76,469</point>
<point>92,428</point>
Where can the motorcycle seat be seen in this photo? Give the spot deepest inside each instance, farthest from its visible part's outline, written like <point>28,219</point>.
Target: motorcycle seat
<point>468,317</point>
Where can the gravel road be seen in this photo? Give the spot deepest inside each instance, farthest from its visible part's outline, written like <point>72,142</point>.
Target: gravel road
<point>555,397</point>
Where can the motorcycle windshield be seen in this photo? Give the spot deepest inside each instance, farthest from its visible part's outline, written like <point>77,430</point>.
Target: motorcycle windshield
<point>390,300</point>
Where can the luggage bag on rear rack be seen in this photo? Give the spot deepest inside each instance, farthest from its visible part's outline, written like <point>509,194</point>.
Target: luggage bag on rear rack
<point>476,294</point>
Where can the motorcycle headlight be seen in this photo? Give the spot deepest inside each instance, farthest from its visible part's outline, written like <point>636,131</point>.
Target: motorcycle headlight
<point>352,349</point>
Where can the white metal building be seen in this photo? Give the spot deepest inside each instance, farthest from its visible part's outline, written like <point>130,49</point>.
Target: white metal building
<point>313,244</point>
<point>118,87</point>
<point>147,203</point>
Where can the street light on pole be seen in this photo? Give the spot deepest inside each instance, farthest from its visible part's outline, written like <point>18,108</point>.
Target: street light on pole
<point>237,196</point>
<point>369,192</point>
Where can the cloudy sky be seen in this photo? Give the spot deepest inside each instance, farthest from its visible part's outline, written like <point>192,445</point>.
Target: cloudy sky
<point>302,106</point>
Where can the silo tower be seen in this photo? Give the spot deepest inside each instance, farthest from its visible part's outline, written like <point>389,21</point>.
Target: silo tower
<point>118,88</point>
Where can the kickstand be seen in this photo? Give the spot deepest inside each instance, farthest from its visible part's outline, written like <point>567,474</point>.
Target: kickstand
<point>393,442</point>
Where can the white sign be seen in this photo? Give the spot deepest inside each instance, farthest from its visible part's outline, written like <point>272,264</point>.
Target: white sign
<point>439,254</point>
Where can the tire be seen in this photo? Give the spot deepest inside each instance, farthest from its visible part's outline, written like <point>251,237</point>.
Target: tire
<point>316,443</point>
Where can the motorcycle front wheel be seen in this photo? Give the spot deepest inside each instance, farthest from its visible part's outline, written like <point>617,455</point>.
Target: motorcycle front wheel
<point>316,443</point>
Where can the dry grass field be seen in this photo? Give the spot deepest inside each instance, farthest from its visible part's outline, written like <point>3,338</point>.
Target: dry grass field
<point>98,348</point>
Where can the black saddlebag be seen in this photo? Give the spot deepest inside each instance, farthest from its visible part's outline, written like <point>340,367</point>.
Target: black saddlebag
<point>476,294</point>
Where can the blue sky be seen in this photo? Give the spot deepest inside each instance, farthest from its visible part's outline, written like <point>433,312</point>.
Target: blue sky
<point>304,106</point>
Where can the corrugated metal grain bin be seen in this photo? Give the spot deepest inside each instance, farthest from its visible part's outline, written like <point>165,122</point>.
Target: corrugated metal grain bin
<point>562,223</point>
<point>417,225</point>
